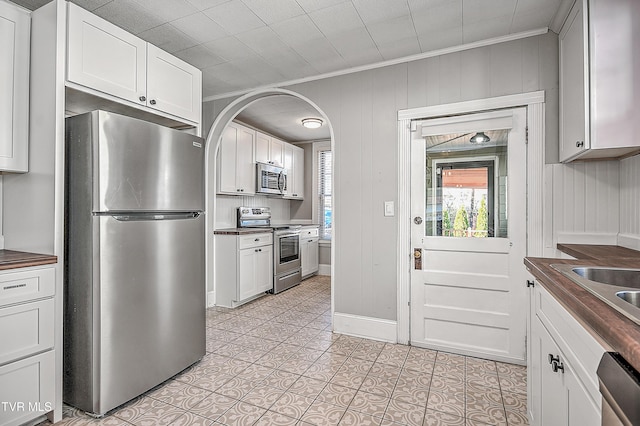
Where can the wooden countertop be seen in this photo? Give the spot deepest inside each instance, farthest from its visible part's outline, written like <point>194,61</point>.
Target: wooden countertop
<point>10,259</point>
<point>241,231</point>
<point>621,333</point>
<point>598,252</point>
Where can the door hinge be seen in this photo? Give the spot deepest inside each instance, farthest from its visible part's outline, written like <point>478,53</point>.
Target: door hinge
<point>531,283</point>
<point>526,135</point>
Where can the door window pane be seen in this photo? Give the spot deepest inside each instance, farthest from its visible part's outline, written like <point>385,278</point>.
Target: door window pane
<point>466,185</point>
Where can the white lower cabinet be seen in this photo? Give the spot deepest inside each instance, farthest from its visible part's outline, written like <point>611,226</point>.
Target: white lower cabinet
<point>27,389</point>
<point>563,383</point>
<point>27,336</point>
<point>245,267</point>
<point>309,251</point>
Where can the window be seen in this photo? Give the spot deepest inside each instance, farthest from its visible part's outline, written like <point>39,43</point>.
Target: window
<point>323,205</point>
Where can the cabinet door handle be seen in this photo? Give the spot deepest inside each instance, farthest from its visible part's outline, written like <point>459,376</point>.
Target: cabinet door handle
<point>142,98</point>
<point>257,239</point>
<point>557,367</point>
<point>579,144</point>
<point>152,101</point>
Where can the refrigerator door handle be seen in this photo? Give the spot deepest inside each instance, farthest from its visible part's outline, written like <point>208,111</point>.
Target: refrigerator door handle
<point>154,216</point>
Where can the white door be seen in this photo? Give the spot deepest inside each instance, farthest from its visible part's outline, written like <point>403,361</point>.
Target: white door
<point>468,233</point>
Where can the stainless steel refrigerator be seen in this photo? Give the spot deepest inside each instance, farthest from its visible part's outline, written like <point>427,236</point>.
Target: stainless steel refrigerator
<point>134,293</point>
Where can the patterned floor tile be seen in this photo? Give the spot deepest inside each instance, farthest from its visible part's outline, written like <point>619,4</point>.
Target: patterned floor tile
<point>292,405</point>
<point>405,413</point>
<point>323,414</point>
<point>241,414</point>
<point>438,418</point>
<point>213,406</point>
<point>356,418</point>
<point>275,361</point>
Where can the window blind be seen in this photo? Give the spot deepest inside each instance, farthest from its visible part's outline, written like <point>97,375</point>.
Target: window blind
<point>325,213</point>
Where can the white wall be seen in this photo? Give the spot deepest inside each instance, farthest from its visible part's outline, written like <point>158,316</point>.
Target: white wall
<point>227,205</point>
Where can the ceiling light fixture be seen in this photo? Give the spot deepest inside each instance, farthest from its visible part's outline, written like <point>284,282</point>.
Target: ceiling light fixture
<point>479,137</point>
<point>311,123</point>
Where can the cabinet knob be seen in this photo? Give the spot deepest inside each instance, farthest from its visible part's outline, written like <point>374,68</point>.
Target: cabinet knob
<point>257,239</point>
<point>152,101</point>
<point>142,98</point>
<point>579,144</point>
<point>242,190</point>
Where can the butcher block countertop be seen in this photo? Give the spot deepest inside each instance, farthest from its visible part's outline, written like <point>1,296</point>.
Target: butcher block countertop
<point>618,331</point>
<point>10,259</point>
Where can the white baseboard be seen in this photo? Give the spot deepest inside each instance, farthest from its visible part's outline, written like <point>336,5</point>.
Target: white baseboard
<point>367,327</point>
<point>324,269</point>
<point>631,241</point>
<point>211,298</point>
<point>587,238</point>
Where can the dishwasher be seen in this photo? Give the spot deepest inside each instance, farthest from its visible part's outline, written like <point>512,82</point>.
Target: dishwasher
<point>620,389</point>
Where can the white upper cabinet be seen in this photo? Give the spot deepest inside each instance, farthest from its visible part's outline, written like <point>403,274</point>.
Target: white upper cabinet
<point>108,59</point>
<point>14,88</point>
<point>598,80</point>
<point>269,150</point>
<point>173,85</point>
<point>236,169</point>
<point>294,163</point>
<point>105,57</point>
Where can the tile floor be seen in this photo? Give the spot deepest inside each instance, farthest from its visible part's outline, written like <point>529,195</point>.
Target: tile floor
<point>275,362</point>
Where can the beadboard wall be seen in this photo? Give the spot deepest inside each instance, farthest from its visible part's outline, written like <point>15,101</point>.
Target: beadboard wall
<point>586,202</point>
<point>630,202</point>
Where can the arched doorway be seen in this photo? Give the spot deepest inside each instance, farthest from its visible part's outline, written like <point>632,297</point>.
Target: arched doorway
<point>211,152</point>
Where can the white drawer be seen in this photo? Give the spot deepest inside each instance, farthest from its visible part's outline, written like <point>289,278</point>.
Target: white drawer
<point>27,389</point>
<point>26,329</point>
<point>254,240</point>
<point>25,285</point>
<point>309,233</point>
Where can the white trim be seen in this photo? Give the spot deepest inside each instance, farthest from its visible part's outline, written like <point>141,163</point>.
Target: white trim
<point>367,327</point>
<point>603,238</point>
<point>211,152</point>
<point>324,242</point>
<point>561,15</point>
<point>211,298</point>
<point>536,177</point>
<point>467,107</point>
<point>402,60</point>
<point>324,269</point>
<point>472,353</point>
<point>631,241</point>
<point>494,120</point>
<point>532,101</point>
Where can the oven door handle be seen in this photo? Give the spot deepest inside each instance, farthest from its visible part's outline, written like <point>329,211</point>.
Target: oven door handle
<point>281,182</point>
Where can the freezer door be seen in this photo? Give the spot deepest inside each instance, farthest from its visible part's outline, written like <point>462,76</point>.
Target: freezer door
<point>141,166</point>
<point>151,290</point>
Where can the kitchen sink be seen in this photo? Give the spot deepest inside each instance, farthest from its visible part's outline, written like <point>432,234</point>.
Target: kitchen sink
<point>632,297</point>
<point>612,276</point>
<point>617,287</point>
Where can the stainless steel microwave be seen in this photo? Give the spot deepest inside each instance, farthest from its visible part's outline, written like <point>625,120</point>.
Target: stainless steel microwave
<point>271,179</point>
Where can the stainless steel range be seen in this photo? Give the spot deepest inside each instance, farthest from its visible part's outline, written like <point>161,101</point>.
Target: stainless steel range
<point>286,246</point>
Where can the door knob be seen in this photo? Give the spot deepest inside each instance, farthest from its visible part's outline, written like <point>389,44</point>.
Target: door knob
<point>417,220</point>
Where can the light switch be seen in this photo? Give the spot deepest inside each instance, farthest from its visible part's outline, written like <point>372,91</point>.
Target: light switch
<point>389,209</point>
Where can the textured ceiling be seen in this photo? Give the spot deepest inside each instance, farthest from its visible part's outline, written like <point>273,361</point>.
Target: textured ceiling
<point>244,44</point>
<point>282,117</point>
